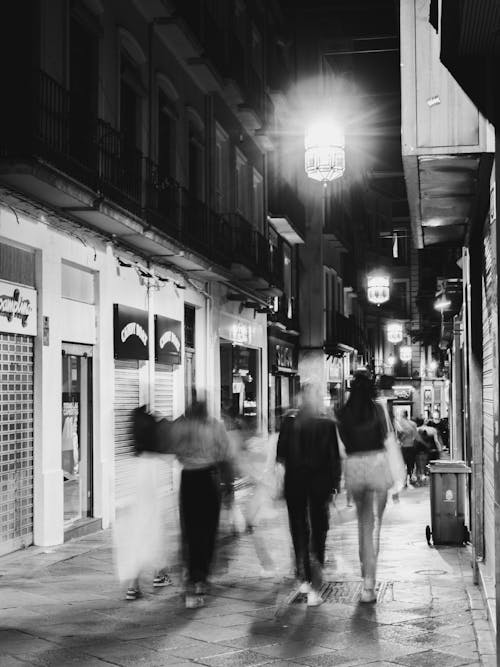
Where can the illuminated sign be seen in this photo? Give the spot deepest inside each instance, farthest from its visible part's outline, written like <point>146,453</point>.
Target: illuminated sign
<point>18,312</point>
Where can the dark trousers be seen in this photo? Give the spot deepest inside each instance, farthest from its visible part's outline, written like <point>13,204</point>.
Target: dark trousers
<point>409,456</point>
<point>308,513</point>
<point>200,509</point>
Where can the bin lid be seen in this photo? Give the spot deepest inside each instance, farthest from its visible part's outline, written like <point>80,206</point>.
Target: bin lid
<point>444,466</point>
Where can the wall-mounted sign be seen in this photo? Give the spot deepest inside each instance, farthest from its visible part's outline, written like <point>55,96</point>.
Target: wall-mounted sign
<point>131,332</point>
<point>18,313</point>
<point>427,395</point>
<point>403,393</point>
<point>240,333</point>
<point>167,340</point>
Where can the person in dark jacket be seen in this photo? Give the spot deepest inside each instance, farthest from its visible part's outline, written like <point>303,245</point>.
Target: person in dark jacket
<point>308,449</point>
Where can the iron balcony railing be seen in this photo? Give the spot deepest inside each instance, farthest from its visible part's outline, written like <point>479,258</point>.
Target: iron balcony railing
<point>90,151</point>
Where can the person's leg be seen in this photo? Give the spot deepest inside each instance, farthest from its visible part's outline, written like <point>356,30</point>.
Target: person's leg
<point>296,503</point>
<point>213,500</point>
<point>364,507</point>
<point>193,518</point>
<point>319,518</point>
<point>379,501</point>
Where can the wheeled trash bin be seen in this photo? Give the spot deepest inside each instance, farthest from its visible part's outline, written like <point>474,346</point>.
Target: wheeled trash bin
<point>448,492</point>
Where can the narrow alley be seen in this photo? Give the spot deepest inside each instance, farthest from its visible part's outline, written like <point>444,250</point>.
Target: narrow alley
<point>63,606</point>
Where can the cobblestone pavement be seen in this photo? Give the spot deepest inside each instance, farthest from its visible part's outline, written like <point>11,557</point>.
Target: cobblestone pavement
<point>63,605</point>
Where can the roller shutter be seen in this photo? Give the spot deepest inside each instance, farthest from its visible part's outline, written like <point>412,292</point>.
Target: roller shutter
<point>127,398</point>
<point>16,434</point>
<point>489,335</point>
<point>164,407</point>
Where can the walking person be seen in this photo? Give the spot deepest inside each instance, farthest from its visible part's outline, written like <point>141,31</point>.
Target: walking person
<point>407,434</point>
<point>308,449</point>
<point>203,448</point>
<point>140,530</point>
<point>363,428</point>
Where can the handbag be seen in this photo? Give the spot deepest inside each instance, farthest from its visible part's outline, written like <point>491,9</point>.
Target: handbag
<point>394,455</point>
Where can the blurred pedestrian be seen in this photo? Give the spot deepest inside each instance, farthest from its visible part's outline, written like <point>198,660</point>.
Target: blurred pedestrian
<point>430,445</point>
<point>363,428</point>
<point>407,435</point>
<point>203,448</point>
<point>140,530</point>
<point>308,449</point>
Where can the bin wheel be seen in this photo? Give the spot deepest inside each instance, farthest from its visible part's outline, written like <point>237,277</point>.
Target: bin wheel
<point>428,534</point>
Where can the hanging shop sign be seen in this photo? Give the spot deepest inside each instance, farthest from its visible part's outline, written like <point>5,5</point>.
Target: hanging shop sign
<point>131,332</point>
<point>283,358</point>
<point>167,340</point>
<point>403,393</point>
<point>18,309</point>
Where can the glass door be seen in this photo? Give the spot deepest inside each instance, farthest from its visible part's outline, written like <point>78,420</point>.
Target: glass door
<point>76,442</point>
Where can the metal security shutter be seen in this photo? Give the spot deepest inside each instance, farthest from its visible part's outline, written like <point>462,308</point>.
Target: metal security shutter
<point>126,399</point>
<point>16,438</point>
<point>489,318</point>
<point>164,407</point>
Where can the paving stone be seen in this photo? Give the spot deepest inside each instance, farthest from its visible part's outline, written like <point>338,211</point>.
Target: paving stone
<point>235,659</point>
<point>432,659</point>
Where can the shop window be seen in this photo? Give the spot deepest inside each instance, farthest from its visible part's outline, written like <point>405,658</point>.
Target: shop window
<point>240,381</point>
<point>189,355</point>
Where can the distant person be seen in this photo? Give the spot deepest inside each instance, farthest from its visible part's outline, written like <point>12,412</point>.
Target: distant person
<point>407,434</point>
<point>363,428</point>
<point>140,532</point>
<point>202,446</point>
<point>428,448</point>
<point>308,449</point>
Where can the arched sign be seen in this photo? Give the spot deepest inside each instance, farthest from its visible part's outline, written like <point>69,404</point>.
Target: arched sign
<point>131,333</point>
<point>168,340</point>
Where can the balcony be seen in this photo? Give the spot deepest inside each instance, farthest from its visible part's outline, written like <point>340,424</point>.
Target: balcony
<point>286,211</point>
<point>80,165</point>
<point>341,334</point>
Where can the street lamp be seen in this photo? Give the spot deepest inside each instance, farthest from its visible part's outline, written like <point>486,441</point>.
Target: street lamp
<point>405,353</point>
<point>378,289</point>
<point>394,332</point>
<point>324,158</point>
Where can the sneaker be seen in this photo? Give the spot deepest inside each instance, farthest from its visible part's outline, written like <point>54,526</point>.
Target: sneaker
<point>314,599</point>
<point>162,580</point>
<point>194,601</point>
<point>133,593</point>
<point>305,587</point>
<point>368,596</point>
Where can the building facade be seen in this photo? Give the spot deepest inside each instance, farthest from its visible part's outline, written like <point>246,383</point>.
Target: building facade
<point>143,249</point>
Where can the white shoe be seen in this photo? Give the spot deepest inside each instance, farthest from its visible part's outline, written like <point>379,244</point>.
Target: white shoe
<point>314,599</point>
<point>305,587</point>
<point>368,596</point>
<point>194,601</point>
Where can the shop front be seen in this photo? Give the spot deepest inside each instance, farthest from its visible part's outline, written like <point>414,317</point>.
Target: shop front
<point>18,329</point>
<point>131,353</point>
<point>284,380</point>
<point>243,393</point>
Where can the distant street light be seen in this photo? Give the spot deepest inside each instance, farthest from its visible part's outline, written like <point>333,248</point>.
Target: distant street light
<point>394,332</point>
<point>442,304</point>
<point>391,360</point>
<point>405,353</point>
<point>378,289</point>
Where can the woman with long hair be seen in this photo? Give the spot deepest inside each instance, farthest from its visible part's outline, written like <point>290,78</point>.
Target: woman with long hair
<point>363,428</point>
